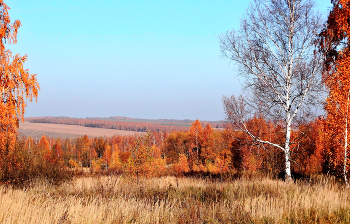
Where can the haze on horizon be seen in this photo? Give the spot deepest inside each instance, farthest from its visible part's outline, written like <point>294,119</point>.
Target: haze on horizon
<point>139,59</point>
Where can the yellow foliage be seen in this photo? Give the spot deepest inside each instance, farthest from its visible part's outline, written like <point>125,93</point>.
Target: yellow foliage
<point>73,164</point>
<point>212,168</point>
<point>115,160</point>
<point>158,166</point>
<point>96,165</point>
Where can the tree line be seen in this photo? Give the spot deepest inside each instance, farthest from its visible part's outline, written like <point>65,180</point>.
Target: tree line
<point>138,126</point>
<point>202,151</point>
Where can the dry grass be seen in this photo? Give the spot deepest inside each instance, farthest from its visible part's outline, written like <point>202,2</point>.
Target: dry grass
<point>113,199</point>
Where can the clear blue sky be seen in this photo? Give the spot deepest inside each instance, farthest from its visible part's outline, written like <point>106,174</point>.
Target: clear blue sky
<point>142,59</point>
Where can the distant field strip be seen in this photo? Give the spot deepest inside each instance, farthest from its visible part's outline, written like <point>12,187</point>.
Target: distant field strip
<point>67,131</point>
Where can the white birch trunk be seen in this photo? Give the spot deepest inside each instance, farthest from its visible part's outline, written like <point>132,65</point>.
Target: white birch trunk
<point>288,173</point>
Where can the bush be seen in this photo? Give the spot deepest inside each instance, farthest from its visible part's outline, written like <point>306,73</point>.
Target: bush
<point>25,162</point>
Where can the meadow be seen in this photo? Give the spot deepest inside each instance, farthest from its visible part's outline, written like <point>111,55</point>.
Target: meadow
<point>119,199</point>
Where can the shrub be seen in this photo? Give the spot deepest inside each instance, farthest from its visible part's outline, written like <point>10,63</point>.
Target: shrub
<point>28,162</point>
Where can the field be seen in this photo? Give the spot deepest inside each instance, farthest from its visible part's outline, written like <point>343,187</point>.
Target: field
<point>36,130</point>
<point>114,199</point>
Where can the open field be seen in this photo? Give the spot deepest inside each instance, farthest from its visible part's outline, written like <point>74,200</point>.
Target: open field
<point>113,199</point>
<point>36,130</point>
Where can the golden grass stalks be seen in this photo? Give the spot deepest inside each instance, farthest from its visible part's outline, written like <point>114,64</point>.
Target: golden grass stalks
<point>114,199</point>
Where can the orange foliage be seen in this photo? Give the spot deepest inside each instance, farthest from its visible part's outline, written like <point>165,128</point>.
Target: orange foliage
<point>310,148</point>
<point>182,166</point>
<point>124,156</point>
<point>141,165</point>
<point>93,153</point>
<point>210,141</point>
<point>107,156</point>
<point>140,161</point>
<point>17,85</point>
<point>116,163</point>
<point>196,137</point>
<point>56,151</point>
<point>158,166</point>
<point>223,161</point>
<point>156,152</point>
<point>221,151</point>
<point>44,145</point>
<point>96,165</point>
<point>335,44</point>
<point>175,144</point>
<point>338,117</point>
<point>251,161</point>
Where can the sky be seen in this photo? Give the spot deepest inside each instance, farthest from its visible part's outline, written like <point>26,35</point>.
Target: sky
<point>154,59</point>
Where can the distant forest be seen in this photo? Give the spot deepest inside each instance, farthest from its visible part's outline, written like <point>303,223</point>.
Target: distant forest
<point>125,123</point>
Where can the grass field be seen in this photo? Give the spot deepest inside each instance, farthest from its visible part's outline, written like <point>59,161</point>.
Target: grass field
<point>36,130</point>
<point>114,199</point>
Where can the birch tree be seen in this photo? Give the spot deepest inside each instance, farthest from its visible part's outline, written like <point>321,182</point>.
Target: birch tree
<point>335,45</point>
<point>275,51</point>
<point>17,86</point>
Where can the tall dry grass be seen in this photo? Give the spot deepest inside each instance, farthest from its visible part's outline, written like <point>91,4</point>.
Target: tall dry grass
<point>114,199</point>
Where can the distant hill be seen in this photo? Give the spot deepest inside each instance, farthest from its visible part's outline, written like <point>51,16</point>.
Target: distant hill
<point>125,123</point>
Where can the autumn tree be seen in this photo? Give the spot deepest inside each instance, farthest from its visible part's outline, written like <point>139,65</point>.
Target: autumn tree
<point>181,166</point>
<point>115,163</point>
<point>44,145</point>
<point>17,85</point>
<point>100,145</point>
<point>56,152</point>
<point>84,149</point>
<point>175,144</point>
<point>310,148</point>
<point>210,141</point>
<point>196,140</point>
<point>139,163</point>
<point>275,51</point>
<point>336,47</point>
<point>107,156</point>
